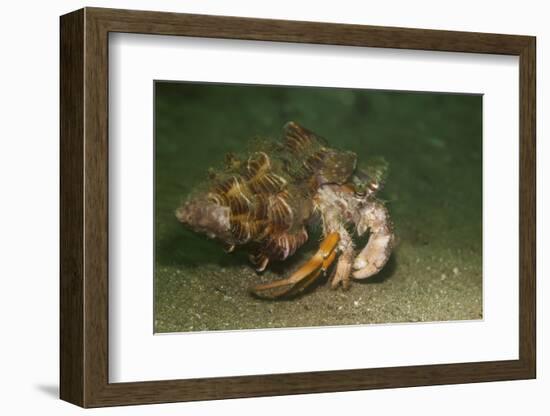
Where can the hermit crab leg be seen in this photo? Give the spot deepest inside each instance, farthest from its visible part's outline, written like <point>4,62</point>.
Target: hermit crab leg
<point>378,249</point>
<point>342,271</point>
<point>300,286</point>
<point>305,275</point>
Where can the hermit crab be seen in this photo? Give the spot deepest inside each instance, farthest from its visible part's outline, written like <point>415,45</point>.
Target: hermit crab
<point>265,201</point>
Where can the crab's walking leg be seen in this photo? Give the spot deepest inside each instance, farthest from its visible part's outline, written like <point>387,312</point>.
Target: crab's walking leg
<point>342,272</point>
<point>305,275</point>
<point>308,280</point>
<point>377,251</point>
<point>332,204</point>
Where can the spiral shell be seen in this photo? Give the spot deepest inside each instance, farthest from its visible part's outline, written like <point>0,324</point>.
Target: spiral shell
<point>268,195</point>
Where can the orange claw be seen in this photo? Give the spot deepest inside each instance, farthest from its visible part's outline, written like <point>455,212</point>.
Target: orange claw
<point>305,275</point>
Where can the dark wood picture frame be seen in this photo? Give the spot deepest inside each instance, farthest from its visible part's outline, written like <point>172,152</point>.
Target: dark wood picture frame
<point>84,207</point>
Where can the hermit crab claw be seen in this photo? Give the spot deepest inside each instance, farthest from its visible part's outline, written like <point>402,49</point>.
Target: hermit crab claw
<point>305,275</point>
<point>376,253</point>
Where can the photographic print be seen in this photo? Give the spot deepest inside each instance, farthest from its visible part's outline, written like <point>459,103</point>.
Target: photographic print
<point>356,210</point>
<point>286,206</point>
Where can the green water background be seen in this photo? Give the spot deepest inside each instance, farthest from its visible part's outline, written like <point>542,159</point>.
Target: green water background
<point>433,143</point>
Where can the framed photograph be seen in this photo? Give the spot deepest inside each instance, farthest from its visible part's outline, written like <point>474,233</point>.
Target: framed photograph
<point>255,207</point>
